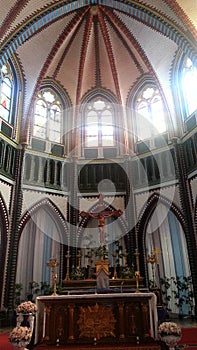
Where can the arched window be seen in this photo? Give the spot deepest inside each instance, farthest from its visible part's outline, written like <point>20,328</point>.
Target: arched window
<point>150,116</point>
<point>48,116</point>
<point>6,93</point>
<point>99,122</point>
<point>188,83</point>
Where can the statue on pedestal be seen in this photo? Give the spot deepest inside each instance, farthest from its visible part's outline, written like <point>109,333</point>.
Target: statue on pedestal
<point>102,275</point>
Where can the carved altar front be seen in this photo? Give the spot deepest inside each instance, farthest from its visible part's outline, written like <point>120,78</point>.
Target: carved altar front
<point>101,318</point>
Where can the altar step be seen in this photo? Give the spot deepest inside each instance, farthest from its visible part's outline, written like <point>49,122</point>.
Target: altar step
<point>100,347</point>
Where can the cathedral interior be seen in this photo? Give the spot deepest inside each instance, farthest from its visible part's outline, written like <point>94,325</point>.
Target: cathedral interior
<point>98,145</point>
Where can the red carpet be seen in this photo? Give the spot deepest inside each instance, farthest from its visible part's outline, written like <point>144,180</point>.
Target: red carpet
<point>189,338</point>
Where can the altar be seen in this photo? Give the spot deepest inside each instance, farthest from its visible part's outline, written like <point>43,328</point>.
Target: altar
<point>96,318</point>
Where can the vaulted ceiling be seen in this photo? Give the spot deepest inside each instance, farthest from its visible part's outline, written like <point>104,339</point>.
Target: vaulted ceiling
<point>108,45</point>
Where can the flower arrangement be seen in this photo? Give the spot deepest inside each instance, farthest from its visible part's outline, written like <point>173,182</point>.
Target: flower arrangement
<point>27,307</point>
<point>169,328</point>
<point>101,252</point>
<point>20,334</point>
<point>127,272</point>
<point>77,273</point>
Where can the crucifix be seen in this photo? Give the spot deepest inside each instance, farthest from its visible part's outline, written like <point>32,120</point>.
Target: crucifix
<point>101,216</point>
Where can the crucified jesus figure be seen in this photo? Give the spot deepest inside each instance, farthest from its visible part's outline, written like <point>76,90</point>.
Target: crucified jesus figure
<point>101,216</point>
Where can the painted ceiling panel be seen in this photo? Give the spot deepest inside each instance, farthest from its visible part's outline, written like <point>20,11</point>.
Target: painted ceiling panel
<point>107,80</point>
<point>89,76</point>
<point>190,8</point>
<point>33,55</point>
<point>109,47</point>
<point>16,12</point>
<point>127,70</point>
<point>69,71</point>
<point>164,9</point>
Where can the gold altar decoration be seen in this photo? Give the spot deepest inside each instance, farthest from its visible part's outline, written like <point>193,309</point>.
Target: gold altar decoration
<point>114,261</point>
<point>53,264</point>
<point>136,254</point>
<point>137,272</point>
<point>153,259</point>
<point>102,274</point>
<point>102,265</point>
<point>87,318</point>
<point>137,278</point>
<point>67,266</point>
<point>96,322</point>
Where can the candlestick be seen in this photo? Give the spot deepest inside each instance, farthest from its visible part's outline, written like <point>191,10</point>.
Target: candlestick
<point>137,259</point>
<point>125,254</point>
<point>67,266</point>
<point>79,259</point>
<point>114,261</point>
<point>137,277</point>
<point>89,256</point>
<point>53,264</point>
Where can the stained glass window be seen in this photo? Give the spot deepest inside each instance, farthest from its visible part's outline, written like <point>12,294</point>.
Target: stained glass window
<point>189,83</point>
<point>99,123</point>
<point>6,87</point>
<point>47,116</point>
<point>150,116</point>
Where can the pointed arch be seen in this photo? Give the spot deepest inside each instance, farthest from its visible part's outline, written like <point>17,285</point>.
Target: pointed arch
<point>43,234</point>
<point>149,112</point>
<point>184,76</point>
<point>51,117</point>
<point>11,85</point>
<point>144,219</point>
<point>102,129</point>
<point>35,207</point>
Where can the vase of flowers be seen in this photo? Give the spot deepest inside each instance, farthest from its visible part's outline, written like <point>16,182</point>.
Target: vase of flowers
<point>20,337</point>
<point>170,333</point>
<point>26,314</point>
<point>27,307</point>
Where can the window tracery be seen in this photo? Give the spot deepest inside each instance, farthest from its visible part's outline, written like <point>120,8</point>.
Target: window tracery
<point>48,116</point>
<point>188,83</point>
<point>99,122</point>
<point>150,115</point>
<point>6,93</point>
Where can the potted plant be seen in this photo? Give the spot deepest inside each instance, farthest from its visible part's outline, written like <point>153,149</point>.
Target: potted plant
<point>33,290</point>
<point>18,289</point>
<point>183,294</point>
<point>170,333</point>
<point>166,296</point>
